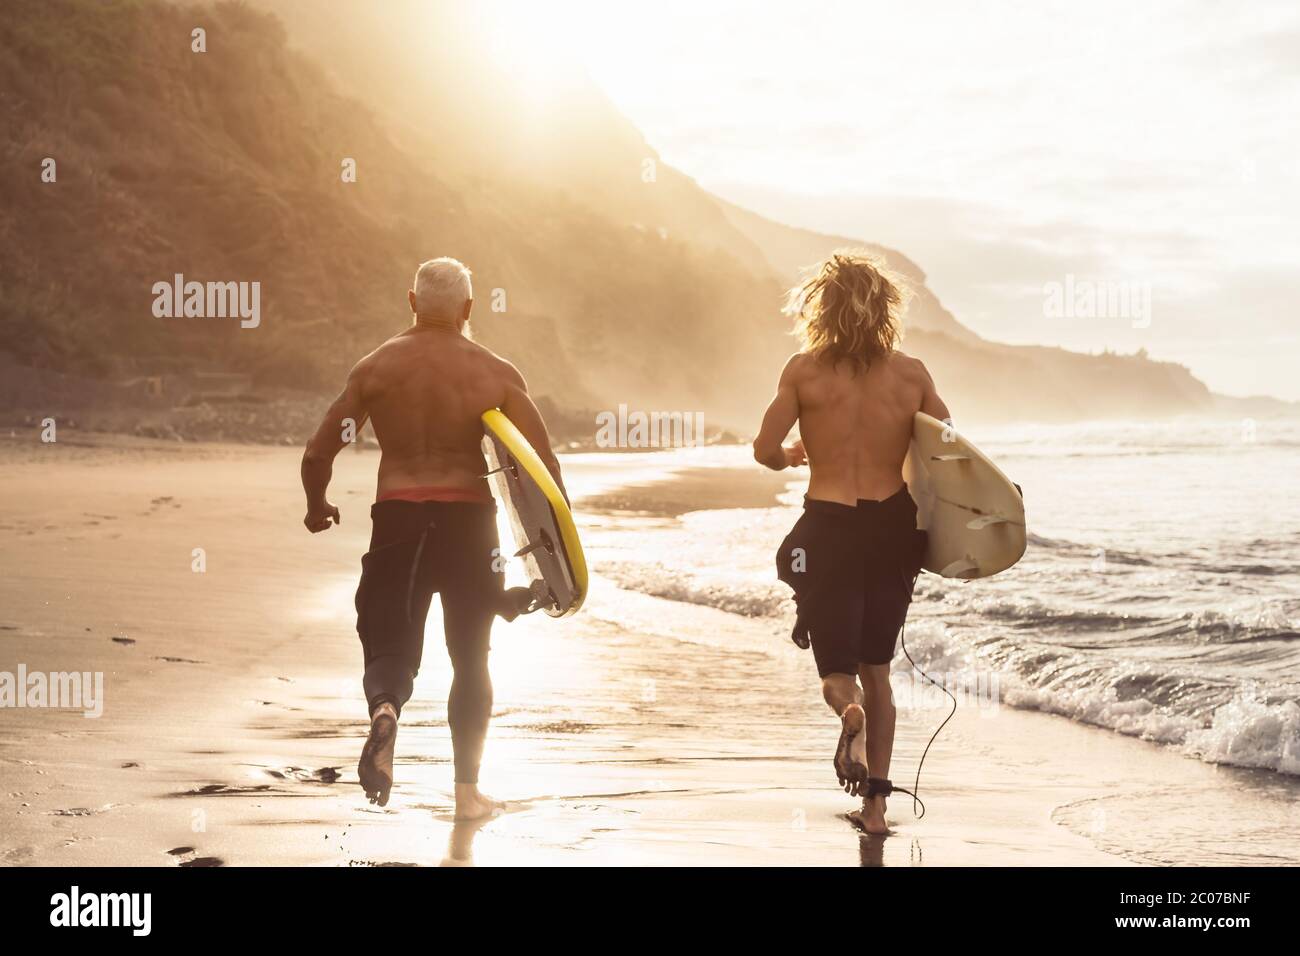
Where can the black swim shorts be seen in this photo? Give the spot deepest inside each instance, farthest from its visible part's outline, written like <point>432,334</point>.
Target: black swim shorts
<point>852,570</point>
<point>416,549</point>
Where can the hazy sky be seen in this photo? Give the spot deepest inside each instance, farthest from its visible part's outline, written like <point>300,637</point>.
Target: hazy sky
<point>1001,146</point>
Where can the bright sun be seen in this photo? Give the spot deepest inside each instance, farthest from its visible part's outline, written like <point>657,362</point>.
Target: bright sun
<point>533,45</point>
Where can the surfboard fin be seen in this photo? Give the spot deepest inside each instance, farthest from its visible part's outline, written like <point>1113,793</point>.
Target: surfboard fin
<point>544,541</point>
<point>961,568</point>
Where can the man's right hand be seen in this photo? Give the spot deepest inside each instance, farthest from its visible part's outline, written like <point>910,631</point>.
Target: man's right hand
<point>319,517</point>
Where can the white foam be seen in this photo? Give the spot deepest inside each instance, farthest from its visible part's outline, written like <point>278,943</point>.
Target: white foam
<point>1249,732</point>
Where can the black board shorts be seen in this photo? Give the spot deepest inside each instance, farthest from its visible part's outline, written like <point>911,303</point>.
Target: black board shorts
<point>853,569</point>
<point>417,549</point>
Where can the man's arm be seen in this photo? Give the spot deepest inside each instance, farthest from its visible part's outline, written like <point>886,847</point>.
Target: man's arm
<point>779,418</point>
<point>931,403</point>
<point>520,408</point>
<point>345,417</point>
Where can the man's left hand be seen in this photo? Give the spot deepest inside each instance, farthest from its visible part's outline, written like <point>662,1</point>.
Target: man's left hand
<point>319,517</point>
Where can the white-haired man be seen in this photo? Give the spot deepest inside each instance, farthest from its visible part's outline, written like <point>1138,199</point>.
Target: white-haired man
<point>434,522</point>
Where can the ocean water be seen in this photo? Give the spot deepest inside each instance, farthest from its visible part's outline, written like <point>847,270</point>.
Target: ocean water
<point>1159,596</point>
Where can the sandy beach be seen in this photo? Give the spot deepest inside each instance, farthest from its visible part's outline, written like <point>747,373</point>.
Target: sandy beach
<point>233,714</point>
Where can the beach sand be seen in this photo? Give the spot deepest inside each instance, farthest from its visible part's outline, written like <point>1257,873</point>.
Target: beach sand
<point>233,714</point>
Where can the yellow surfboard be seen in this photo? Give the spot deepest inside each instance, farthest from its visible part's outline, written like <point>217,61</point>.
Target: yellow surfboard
<point>545,534</point>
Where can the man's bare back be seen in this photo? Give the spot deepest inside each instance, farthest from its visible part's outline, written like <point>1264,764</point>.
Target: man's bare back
<point>424,391</point>
<point>855,425</point>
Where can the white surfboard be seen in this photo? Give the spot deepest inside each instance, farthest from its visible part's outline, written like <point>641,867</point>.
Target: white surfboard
<point>973,514</point>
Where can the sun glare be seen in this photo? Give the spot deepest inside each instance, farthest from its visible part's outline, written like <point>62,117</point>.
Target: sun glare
<point>534,47</point>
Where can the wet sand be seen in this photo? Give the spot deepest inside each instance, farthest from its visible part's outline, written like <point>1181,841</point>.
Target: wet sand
<point>692,489</point>
<point>233,713</point>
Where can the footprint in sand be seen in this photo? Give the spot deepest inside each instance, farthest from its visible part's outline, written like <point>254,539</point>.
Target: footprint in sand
<point>128,641</point>
<point>160,502</point>
<point>224,790</point>
<point>276,703</point>
<point>323,775</point>
<point>188,859</point>
<point>559,727</point>
<point>378,863</point>
<point>82,811</point>
<point>179,660</point>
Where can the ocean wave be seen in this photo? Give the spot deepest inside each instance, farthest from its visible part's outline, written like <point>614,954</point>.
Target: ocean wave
<point>1060,546</point>
<point>1251,732</point>
<point>1028,612</point>
<point>738,593</point>
<point>1270,622</point>
<point>1123,658</point>
<point>737,597</point>
<point>1238,726</point>
<point>1244,562</point>
<point>1254,570</point>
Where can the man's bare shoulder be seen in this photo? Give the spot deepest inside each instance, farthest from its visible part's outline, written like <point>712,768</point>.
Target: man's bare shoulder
<point>498,365</point>
<point>909,366</point>
<point>365,366</point>
<point>393,345</point>
<point>799,367</point>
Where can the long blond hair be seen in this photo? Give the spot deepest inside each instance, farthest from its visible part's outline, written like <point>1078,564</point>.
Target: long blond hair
<point>849,310</point>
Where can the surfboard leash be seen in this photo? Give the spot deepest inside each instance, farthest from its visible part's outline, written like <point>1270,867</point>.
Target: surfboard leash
<point>902,637</point>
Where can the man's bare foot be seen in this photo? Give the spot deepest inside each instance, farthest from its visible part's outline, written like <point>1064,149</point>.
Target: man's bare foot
<point>473,805</point>
<point>851,751</point>
<point>872,816</point>
<point>375,768</point>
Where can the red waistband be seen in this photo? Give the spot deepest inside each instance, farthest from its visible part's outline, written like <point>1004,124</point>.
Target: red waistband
<point>435,493</point>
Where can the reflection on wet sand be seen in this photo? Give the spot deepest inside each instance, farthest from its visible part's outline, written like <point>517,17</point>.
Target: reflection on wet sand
<point>871,849</point>
<point>460,846</point>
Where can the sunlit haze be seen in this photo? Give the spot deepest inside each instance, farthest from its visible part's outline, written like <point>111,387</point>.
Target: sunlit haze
<point>999,148</point>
